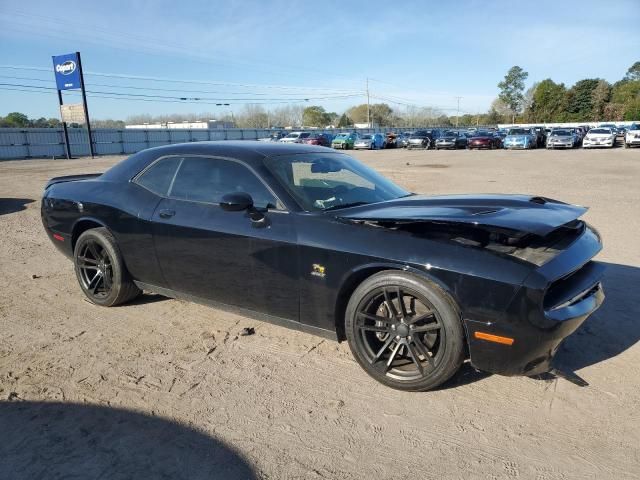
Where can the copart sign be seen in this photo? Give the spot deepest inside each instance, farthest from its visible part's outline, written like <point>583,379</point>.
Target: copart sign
<point>67,70</point>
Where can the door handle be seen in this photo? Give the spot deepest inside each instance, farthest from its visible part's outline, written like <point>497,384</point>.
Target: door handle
<point>167,213</point>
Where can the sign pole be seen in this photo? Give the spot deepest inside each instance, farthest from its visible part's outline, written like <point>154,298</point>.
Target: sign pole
<point>65,132</point>
<point>86,109</point>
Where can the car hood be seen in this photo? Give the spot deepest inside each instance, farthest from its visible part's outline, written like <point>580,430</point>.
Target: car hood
<point>447,139</point>
<point>481,138</point>
<point>517,137</point>
<point>523,213</point>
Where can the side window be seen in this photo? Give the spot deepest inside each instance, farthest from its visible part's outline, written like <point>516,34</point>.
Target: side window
<point>159,176</point>
<point>209,179</point>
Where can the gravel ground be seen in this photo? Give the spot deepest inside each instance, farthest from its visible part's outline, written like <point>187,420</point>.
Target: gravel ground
<point>166,389</point>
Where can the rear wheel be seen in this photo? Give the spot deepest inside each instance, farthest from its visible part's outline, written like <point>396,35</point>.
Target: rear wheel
<point>100,269</point>
<point>405,332</point>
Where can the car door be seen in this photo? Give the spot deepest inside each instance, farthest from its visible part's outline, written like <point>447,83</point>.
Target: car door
<point>225,256</point>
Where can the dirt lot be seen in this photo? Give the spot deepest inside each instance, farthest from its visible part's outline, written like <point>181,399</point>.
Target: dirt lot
<point>167,389</point>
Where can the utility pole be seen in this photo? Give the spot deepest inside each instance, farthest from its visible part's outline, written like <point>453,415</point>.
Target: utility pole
<point>458,111</point>
<point>368,108</point>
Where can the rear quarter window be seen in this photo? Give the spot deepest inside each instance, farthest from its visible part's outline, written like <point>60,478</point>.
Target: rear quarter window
<point>159,176</point>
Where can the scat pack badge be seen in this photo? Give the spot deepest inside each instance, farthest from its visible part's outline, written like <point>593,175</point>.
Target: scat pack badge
<point>317,270</point>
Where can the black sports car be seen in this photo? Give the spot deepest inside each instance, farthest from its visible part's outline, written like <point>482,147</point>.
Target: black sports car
<point>312,239</point>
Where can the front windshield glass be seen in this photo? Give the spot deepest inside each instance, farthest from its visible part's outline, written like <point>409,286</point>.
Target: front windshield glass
<point>341,136</point>
<point>329,181</point>
<point>519,131</point>
<point>600,130</point>
<point>561,132</point>
<point>366,137</point>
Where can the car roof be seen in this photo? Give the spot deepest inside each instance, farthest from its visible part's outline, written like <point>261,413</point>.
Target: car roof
<point>249,151</point>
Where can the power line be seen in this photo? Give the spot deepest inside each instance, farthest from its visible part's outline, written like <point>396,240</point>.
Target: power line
<point>194,99</point>
<point>196,82</point>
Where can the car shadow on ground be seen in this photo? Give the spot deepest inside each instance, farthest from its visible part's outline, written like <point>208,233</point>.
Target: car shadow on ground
<point>147,298</point>
<point>66,440</point>
<point>614,328</point>
<point>11,205</point>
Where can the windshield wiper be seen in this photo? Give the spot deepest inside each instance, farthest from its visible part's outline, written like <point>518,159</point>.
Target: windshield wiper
<point>345,205</point>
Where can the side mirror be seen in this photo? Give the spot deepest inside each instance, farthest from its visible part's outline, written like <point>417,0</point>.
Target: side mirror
<point>236,202</point>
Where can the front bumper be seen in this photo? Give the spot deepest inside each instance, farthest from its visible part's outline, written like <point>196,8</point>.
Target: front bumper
<point>446,144</point>
<point>553,302</point>
<point>595,143</point>
<point>632,140</point>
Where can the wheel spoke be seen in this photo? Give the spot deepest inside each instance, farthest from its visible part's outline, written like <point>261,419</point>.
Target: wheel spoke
<point>414,356</point>
<point>423,350</point>
<point>403,309</point>
<point>389,302</point>
<point>393,355</point>
<point>430,327</point>
<point>373,328</point>
<point>94,251</point>
<point>382,350</point>
<point>95,281</point>
<point>88,261</point>
<point>420,318</point>
<point>375,318</point>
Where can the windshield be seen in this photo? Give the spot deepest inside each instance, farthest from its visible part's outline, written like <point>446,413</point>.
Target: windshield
<point>519,131</point>
<point>293,135</point>
<point>634,127</point>
<point>561,132</point>
<point>366,137</point>
<point>449,133</point>
<point>600,131</point>
<point>328,181</point>
<point>342,136</point>
<point>483,134</point>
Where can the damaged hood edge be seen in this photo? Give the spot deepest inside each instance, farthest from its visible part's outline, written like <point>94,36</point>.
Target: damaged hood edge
<point>521,213</point>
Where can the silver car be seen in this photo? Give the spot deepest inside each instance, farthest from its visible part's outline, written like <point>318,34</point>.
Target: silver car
<point>562,138</point>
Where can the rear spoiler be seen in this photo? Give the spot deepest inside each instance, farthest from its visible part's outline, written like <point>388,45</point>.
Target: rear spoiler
<point>71,178</point>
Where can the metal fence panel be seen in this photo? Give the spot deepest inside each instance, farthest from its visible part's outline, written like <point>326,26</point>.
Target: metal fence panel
<point>48,142</point>
<point>10,137</point>
<point>134,135</point>
<point>133,147</point>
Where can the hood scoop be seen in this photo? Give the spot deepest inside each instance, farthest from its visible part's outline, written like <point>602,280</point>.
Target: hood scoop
<point>521,213</point>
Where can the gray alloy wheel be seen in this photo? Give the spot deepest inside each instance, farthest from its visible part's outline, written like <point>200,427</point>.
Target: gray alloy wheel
<point>404,331</point>
<point>100,270</point>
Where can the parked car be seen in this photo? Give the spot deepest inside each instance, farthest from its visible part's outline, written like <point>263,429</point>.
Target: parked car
<point>321,139</point>
<point>521,138</point>
<point>393,140</point>
<point>562,138</point>
<point>541,136</point>
<point>599,137</point>
<point>484,139</point>
<point>314,240</point>
<point>621,131</point>
<point>370,141</point>
<point>295,137</point>
<point>451,139</point>
<point>344,141</point>
<point>423,139</point>
<point>632,137</point>
<point>274,137</point>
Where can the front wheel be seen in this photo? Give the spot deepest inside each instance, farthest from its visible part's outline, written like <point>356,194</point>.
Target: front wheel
<point>100,269</point>
<point>404,331</point>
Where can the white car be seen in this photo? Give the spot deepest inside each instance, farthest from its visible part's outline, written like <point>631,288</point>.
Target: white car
<point>632,137</point>
<point>295,137</point>
<point>599,137</point>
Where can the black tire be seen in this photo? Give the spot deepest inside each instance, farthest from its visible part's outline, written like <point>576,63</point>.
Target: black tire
<point>100,269</point>
<point>415,345</point>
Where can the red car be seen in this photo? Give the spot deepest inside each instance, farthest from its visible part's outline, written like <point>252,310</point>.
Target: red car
<point>322,139</point>
<point>484,139</point>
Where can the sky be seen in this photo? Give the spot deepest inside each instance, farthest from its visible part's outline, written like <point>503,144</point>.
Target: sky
<point>414,53</point>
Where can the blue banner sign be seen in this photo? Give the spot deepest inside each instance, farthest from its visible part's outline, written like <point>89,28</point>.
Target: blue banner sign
<point>67,70</point>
